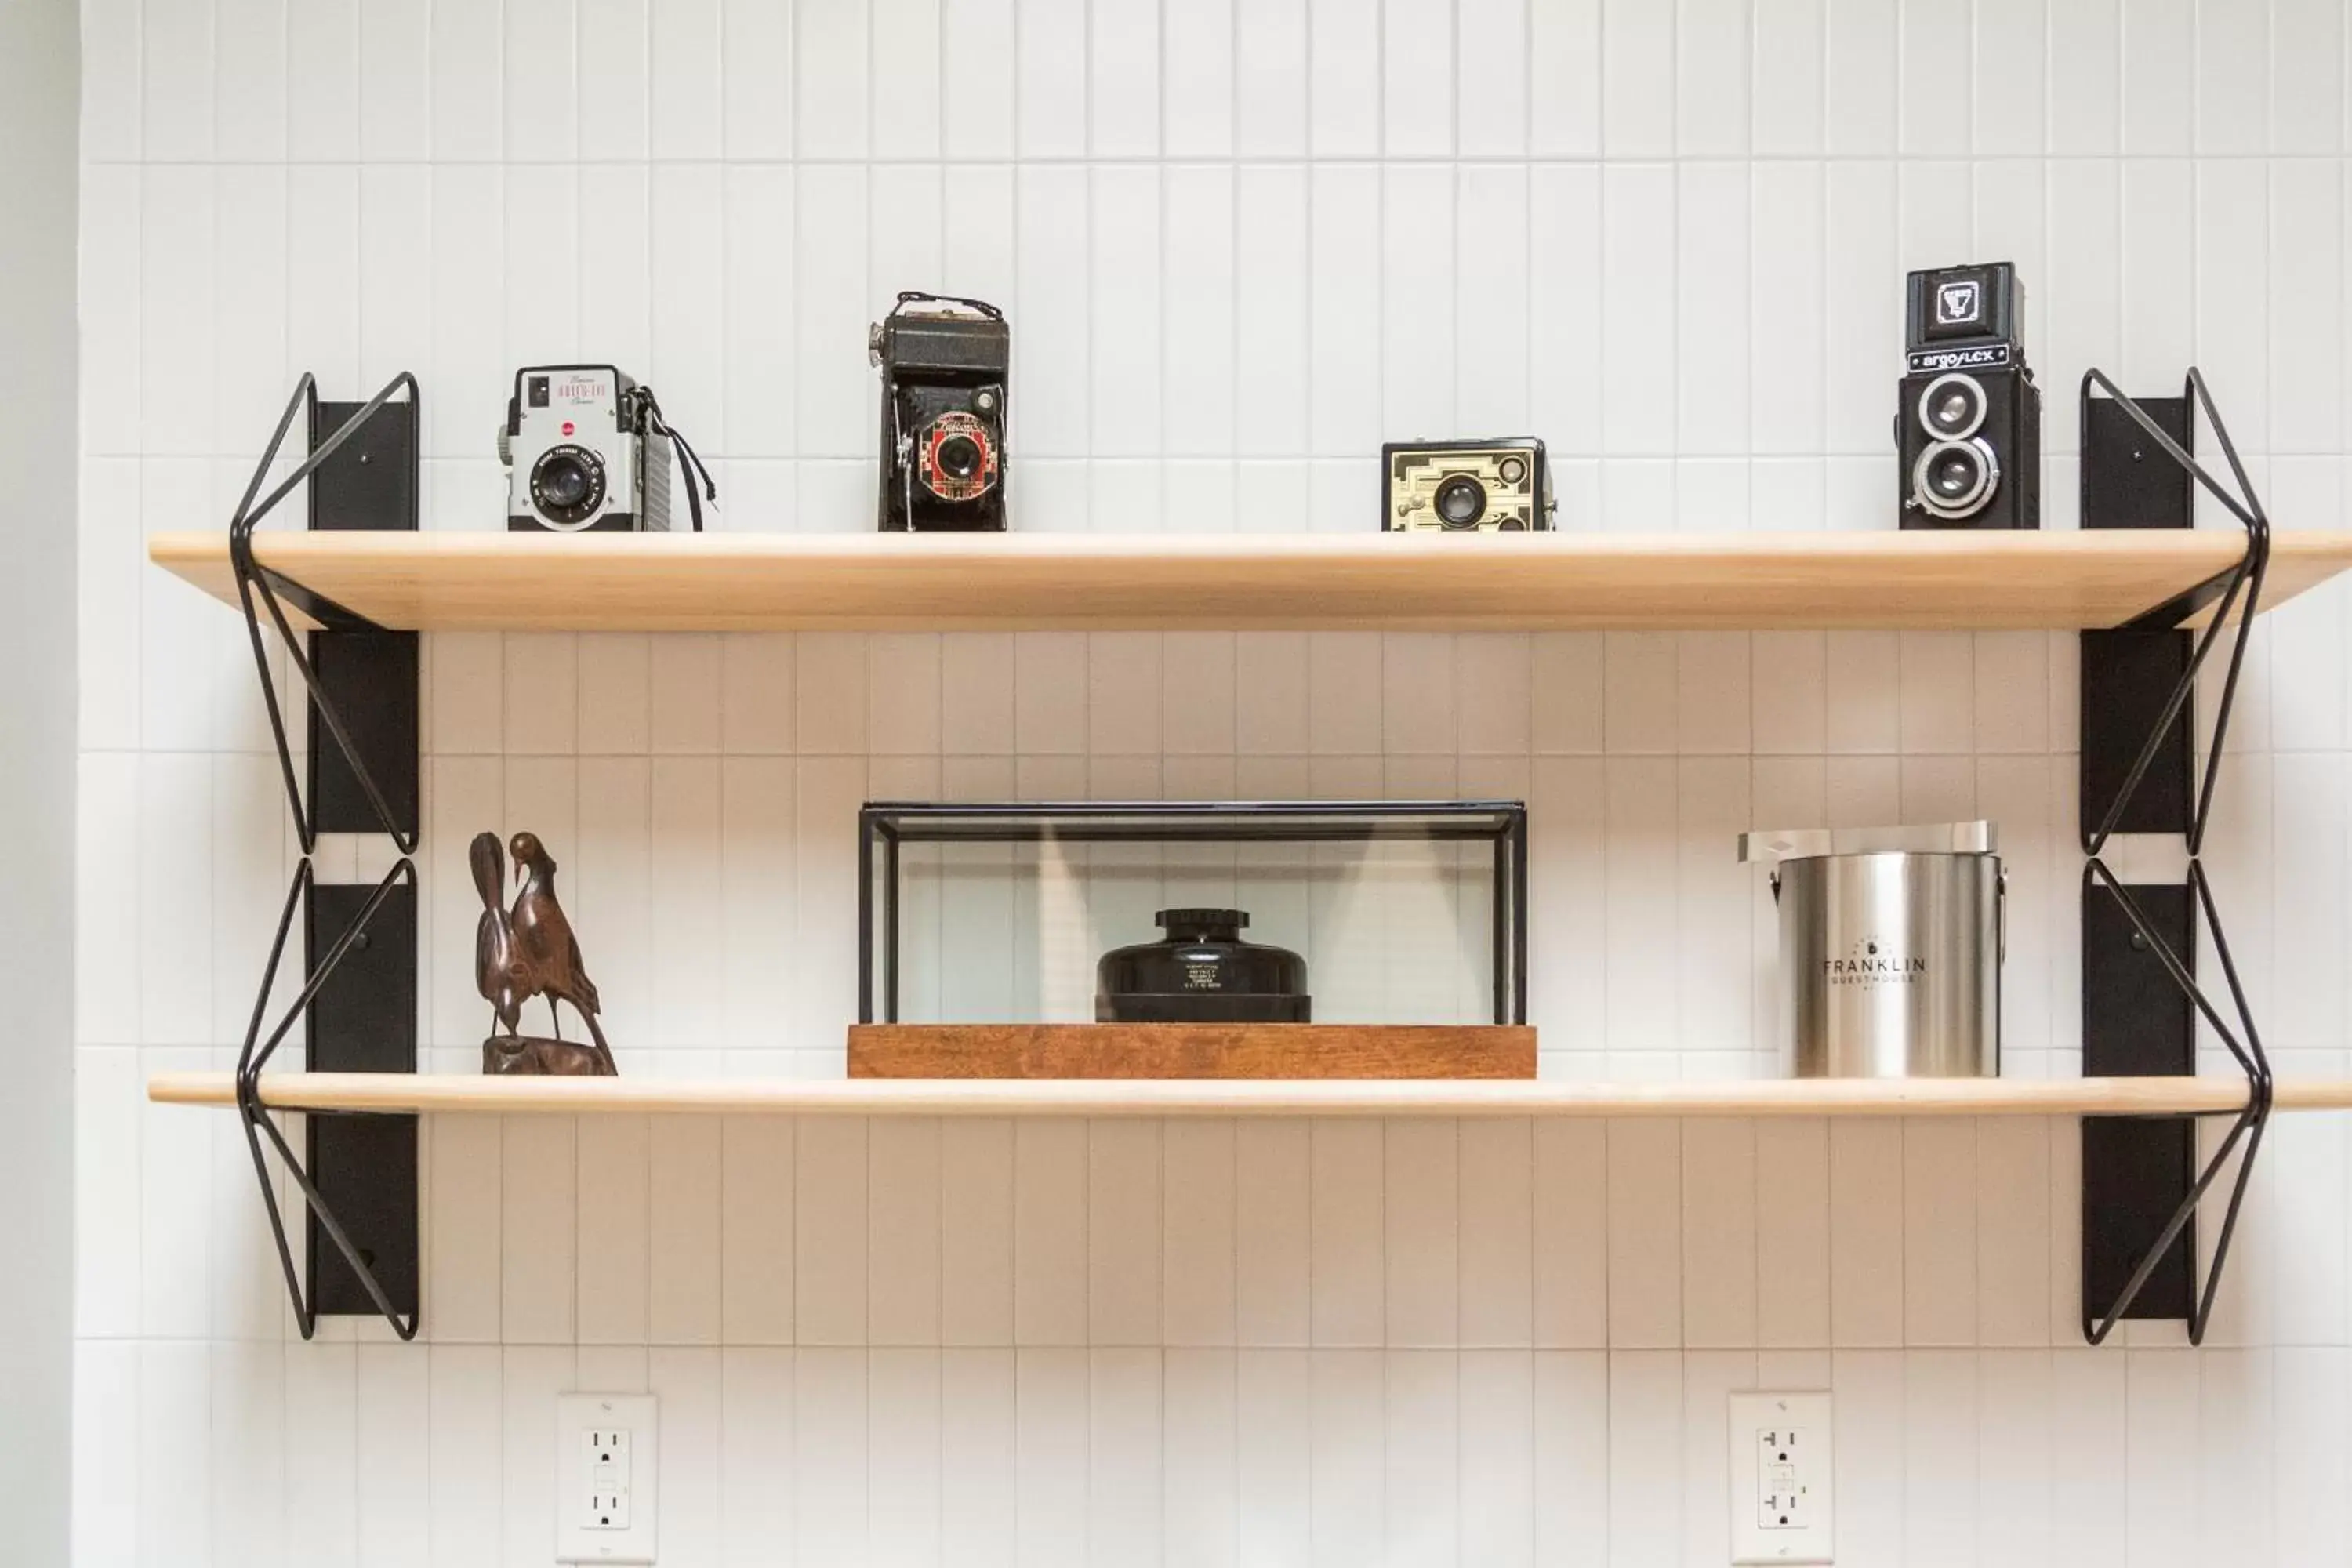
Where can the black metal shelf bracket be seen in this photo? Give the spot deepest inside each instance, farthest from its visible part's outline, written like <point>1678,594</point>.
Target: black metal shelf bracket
<point>2139,776</point>
<point>358,999</point>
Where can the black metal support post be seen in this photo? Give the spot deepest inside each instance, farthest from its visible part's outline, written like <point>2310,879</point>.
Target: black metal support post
<point>2141,999</point>
<point>358,999</point>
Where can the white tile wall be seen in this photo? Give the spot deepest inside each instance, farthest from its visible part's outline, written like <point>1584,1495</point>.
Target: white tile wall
<point>1239,246</point>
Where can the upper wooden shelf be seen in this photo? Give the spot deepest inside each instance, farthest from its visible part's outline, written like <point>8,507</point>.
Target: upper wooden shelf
<point>745,581</point>
<point>467,1093</point>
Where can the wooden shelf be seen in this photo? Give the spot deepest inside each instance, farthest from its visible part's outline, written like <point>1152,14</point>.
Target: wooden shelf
<point>466,1094</point>
<point>742,581</point>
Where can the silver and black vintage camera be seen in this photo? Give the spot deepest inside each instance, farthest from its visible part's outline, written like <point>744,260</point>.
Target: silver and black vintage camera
<point>1465,487</point>
<point>587,450</point>
<point>944,365</point>
<point>1969,425</point>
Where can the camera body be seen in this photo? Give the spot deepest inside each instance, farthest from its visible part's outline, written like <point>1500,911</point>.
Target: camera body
<point>944,368</point>
<point>577,454</point>
<point>1471,486</point>
<point>1968,422</point>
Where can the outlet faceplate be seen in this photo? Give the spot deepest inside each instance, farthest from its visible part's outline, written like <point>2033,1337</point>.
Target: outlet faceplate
<point>607,1453</point>
<point>1781,1458</point>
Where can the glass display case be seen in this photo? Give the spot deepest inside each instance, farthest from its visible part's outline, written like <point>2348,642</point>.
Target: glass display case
<point>1399,912</point>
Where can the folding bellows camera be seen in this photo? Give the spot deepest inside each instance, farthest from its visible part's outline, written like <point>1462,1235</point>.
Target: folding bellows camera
<point>1968,428</point>
<point>944,366</point>
<point>587,450</point>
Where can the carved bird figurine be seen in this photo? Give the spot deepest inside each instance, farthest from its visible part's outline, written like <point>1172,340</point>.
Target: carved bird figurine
<point>543,942</point>
<point>499,971</point>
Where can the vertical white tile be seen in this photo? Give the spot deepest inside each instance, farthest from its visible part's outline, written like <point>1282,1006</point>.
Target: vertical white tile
<point>542,83</point>
<point>755,1225</point>
<point>977,1439</point>
<point>1273,1232</point>
<point>1867,1210</point>
<point>1637,56</point>
<point>1200,1246</point>
<point>1421,1224</point>
<point>463,1443</point>
<point>1940,1444</point>
<point>612,1271</point>
<point>1639,331</point>
<point>1344,292</point>
<point>1049,1232</point>
<point>1643,1456</point>
<point>2012,1229</point>
<point>1720,1193</point>
<point>1347,1262</point>
<point>1123,38</point>
<point>1496,1231</point>
<point>537,1225</point>
<point>1343,89</point>
<point>829,1231</point>
<point>1572,1422</point>
<point>687,1302</point>
<point>1347,1478</point>
<point>2086,70</point>
<point>904,1403</point>
<point>322,77</point>
<point>903,1237</point>
<point>626,87</point>
<point>2089,1450</point>
<point>1124,1455</point>
<point>1564,321</point>
<point>976,1228</point>
<point>1050,1496</point>
<point>469,95</point>
<point>908,63</point>
<point>1572,1230</point>
<point>757,65</point>
<point>830,1433</point>
<point>1792,1232</point>
<point>1645,1254</point>
<point>755,1453</point>
<point>1123,1243</point>
<point>830,58</point>
<point>1939,1241</point>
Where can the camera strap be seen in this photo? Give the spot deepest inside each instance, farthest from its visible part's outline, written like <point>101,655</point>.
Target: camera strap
<point>917,296</point>
<point>699,486</point>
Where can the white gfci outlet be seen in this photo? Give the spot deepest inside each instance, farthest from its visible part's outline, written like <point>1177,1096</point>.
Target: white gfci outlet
<point>607,1447</point>
<point>1782,1456</point>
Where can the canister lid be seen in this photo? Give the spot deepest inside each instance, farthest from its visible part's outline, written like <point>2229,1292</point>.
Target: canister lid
<point>1812,842</point>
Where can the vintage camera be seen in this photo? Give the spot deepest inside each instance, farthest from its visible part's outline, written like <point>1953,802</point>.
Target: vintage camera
<point>587,450</point>
<point>1466,486</point>
<point>1968,425</point>
<point>943,367</point>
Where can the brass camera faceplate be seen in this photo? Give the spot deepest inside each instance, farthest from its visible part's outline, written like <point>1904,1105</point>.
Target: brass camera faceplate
<point>1513,488</point>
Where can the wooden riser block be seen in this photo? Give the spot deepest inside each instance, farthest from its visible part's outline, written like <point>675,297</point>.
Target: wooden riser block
<point>1192,1051</point>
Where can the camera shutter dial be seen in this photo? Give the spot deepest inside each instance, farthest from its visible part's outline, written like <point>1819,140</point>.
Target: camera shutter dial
<point>567,486</point>
<point>955,458</point>
<point>1461,501</point>
<point>1952,407</point>
<point>1955,480</point>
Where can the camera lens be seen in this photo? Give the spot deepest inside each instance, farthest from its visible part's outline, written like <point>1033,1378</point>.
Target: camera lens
<point>1952,407</point>
<point>567,486</point>
<point>959,457</point>
<point>564,482</point>
<point>1954,479</point>
<point>1461,501</point>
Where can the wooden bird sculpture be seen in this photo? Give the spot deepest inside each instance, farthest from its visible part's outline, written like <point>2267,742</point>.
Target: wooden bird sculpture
<point>526,951</point>
<point>497,971</point>
<point>543,941</point>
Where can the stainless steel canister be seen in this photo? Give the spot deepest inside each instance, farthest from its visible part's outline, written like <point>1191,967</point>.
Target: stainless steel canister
<point>1891,945</point>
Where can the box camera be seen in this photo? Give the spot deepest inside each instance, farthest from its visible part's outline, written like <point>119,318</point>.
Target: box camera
<point>587,450</point>
<point>1967,426</point>
<point>943,372</point>
<point>1466,486</point>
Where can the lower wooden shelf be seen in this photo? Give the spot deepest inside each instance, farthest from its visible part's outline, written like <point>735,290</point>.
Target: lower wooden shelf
<point>462,1094</point>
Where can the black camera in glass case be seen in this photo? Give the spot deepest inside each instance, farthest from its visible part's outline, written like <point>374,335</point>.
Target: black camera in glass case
<point>944,365</point>
<point>1967,426</point>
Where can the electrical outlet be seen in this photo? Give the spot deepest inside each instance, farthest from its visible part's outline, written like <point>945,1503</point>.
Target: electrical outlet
<point>607,1447</point>
<point>1781,1456</point>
